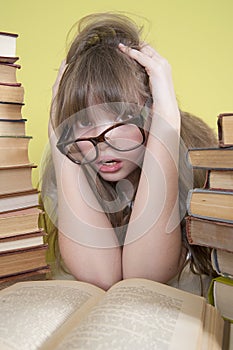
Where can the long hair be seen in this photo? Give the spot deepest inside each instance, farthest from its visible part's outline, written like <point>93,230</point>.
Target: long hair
<point>196,133</point>
<point>99,73</point>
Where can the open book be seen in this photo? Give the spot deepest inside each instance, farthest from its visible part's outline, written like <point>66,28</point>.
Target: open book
<point>133,314</point>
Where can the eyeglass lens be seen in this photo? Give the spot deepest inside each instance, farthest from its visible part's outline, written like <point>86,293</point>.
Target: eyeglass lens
<point>122,138</point>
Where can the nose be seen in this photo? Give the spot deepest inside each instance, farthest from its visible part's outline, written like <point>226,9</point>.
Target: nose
<point>100,137</point>
<point>102,146</point>
<point>101,128</point>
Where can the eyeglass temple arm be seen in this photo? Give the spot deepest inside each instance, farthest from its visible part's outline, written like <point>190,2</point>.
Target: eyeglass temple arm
<point>64,136</point>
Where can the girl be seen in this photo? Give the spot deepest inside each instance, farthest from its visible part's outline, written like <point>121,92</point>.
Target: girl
<point>116,135</point>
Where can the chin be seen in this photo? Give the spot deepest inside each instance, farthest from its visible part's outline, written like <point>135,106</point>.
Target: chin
<point>112,177</point>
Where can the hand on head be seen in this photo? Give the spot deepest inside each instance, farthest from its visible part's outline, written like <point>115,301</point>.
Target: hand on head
<point>159,72</point>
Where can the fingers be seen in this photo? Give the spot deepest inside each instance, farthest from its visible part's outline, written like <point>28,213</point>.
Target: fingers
<point>160,77</point>
<point>139,56</point>
<point>147,56</point>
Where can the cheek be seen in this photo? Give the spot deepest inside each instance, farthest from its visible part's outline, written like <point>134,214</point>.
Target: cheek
<point>136,156</point>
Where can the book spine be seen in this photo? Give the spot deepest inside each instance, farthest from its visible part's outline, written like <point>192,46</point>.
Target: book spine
<point>188,229</point>
<point>214,261</point>
<point>224,158</point>
<point>10,84</point>
<point>207,179</point>
<point>220,130</point>
<point>19,251</point>
<point>216,265</point>
<point>15,35</point>
<point>208,190</point>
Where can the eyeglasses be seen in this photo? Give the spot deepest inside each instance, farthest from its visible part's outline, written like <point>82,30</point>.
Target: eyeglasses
<point>123,137</point>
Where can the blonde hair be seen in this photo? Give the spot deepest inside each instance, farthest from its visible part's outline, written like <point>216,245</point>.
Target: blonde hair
<point>98,72</point>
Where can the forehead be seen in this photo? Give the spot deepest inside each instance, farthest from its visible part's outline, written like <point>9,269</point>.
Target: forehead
<point>98,113</point>
<point>105,112</point>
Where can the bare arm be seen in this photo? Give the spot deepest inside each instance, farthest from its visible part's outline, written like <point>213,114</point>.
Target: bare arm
<point>87,241</point>
<point>153,247</point>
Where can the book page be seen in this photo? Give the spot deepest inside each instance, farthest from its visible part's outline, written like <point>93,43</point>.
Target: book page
<point>32,311</point>
<point>227,336</point>
<point>139,314</point>
<point>213,330</point>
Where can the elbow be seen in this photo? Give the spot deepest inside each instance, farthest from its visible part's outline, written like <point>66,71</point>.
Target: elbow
<point>100,267</point>
<point>105,284</point>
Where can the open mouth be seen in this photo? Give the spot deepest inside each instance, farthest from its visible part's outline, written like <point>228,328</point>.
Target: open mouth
<point>109,162</point>
<point>110,165</point>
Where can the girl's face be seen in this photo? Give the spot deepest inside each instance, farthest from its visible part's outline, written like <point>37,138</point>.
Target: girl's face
<point>112,141</point>
<point>113,165</point>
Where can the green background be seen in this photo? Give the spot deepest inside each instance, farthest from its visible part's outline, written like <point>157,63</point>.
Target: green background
<point>196,36</point>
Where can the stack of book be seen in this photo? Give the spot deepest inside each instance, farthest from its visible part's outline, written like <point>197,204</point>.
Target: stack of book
<point>210,212</point>
<point>22,248</point>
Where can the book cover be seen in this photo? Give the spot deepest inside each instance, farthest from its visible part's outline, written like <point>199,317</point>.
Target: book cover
<point>211,158</point>
<point>209,233</point>
<point>225,129</point>
<point>210,204</point>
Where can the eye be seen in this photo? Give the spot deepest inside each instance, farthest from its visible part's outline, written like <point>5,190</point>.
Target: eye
<point>84,122</point>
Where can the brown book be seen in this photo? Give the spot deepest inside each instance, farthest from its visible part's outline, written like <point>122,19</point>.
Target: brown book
<point>40,274</point>
<point>14,150</point>
<point>22,260</point>
<point>22,241</point>
<point>222,261</point>
<point>12,93</point>
<point>8,47</point>
<point>133,314</point>
<point>10,60</point>
<point>225,129</point>
<point>19,200</point>
<point>214,234</point>
<point>11,110</point>
<point>219,179</point>
<point>16,179</point>
<point>210,204</point>
<point>12,127</point>
<point>211,158</point>
<point>19,221</point>
<point>8,73</point>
